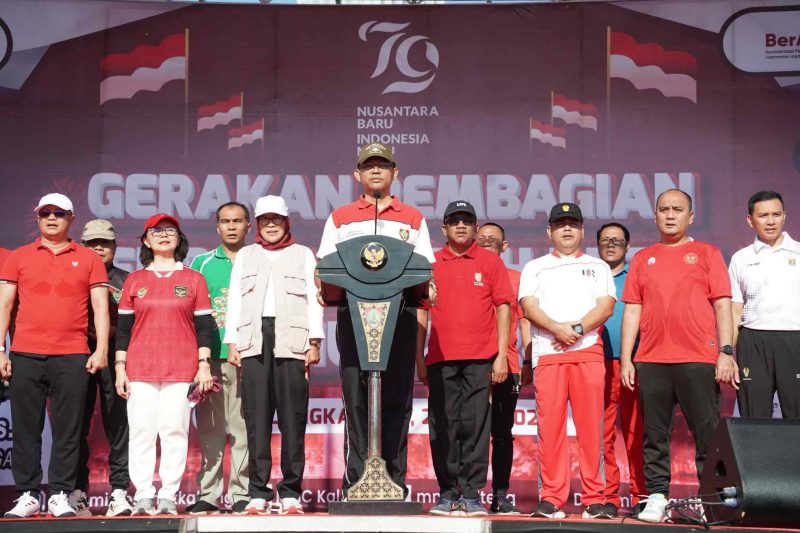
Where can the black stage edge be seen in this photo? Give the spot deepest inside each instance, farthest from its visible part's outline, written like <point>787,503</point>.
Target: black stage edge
<point>233,523</point>
<point>92,525</point>
<point>374,508</point>
<point>612,526</point>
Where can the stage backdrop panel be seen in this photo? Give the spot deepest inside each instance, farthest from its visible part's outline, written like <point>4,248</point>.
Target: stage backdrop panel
<point>132,109</point>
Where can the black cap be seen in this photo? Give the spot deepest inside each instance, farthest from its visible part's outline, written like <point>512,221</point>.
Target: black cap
<point>459,206</point>
<point>565,210</point>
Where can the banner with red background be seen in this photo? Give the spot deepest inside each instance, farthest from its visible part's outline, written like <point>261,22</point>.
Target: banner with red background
<point>131,109</point>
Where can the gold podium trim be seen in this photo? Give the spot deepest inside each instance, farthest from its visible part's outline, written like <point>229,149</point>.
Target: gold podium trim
<point>373,318</point>
<point>375,483</point>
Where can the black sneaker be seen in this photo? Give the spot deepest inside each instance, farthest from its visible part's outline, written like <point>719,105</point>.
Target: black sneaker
<point>238,507</point>
<point>548,510</point>
<point>203,507</point>
<point>612,511</point>
<point>502,505</point>
<point>595,510</point>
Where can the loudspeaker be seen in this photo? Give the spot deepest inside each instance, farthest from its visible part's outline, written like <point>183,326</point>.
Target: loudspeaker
<point>756,463</point>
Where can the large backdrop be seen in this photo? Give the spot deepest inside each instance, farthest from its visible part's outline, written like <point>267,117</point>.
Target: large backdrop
<point>131,109</point>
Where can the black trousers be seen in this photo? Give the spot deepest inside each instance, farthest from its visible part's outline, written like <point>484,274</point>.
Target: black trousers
<point>769,361</point>
<point>62,378</point>
<point>459,423</point>
<point>114,413</point>
<point>693,387</point>
<point>504,402</point>
<point>272,383</point>
<point>397,387</point>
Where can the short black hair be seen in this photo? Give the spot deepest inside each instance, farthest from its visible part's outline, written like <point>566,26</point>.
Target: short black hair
<point>146,254</point>
<point>496,225</point>
<point>614,225</point>
<point>762,196</point>
<point>234,204</point>
<point>686,194</point>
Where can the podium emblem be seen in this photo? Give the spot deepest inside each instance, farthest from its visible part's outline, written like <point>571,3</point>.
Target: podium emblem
<point>374,256</point>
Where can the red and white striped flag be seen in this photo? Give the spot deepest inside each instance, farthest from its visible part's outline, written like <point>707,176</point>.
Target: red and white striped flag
<point>547,134</point>
<point>146,68</point>
<point>219,113</point>
<point>247,134</point>
<point>650,66</point>
<point>574,112</point>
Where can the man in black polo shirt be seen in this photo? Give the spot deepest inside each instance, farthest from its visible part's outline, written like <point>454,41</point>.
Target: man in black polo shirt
<point>99,235</point>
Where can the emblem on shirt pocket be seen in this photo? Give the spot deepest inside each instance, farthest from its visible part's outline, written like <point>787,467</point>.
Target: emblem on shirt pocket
<point>141,292</point>
<point>404,234</point>
<point>180,291</point>
<point>478,279</point>
<point>74,263</point>
<point>651,261</point>
<point>690,258</point>
<point>792,261</point>
<point>746,373</point>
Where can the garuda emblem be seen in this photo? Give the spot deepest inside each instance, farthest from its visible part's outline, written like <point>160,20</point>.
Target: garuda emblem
<point>374,256</point>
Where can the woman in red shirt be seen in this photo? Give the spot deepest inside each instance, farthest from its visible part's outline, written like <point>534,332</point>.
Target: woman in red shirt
<point>163,345</point>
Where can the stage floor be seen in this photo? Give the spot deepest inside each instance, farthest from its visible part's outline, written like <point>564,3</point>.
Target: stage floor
<point>324,523</point>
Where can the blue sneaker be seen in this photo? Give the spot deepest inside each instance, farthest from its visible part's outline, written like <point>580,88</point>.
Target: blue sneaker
<point>473,507</point>
<point>443,508</point>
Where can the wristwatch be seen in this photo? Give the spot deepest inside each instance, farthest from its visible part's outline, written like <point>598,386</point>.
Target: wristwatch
<point>727,349</point>
<point>204,360</point>
<point>578,328</point>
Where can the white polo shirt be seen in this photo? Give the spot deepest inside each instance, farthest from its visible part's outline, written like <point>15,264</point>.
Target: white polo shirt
<point>767,281</point>
<point>397,220</point>
<point>567,288</point>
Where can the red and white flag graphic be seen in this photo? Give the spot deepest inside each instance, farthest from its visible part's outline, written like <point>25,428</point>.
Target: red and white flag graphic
<point>219,113</point>
<point>650,66</point>
<point>574,112</point>
<point>146,68</point>
<point>547,134</point>
<point>247,134</point>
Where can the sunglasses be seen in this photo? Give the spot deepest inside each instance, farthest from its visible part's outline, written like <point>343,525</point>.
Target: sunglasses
<point>59,213</point>
<point>455,220</point>
<point>276,220</point>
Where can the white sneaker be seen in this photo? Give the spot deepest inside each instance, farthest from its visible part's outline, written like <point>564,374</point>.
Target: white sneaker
<point>27,506</point>
<point>58,505</point>
<point>654,510</point>
<point>118,504</point>
<point>291,506</point>
<point>257,506</point>
<point>78,501</point>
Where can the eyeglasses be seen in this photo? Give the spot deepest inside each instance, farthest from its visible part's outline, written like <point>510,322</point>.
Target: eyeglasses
<point>158,232</point>
<point>490,240</point>
<point>455,220</point>
<point>383,165</point>
<point>612,242</point>
<point>266,221</point>
<point>59,213</point>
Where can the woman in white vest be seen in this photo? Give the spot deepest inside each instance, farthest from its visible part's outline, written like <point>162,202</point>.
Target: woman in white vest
<point>274,329</point>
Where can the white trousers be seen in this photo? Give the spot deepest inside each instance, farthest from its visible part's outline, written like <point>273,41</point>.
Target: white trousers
<point>158,409</point>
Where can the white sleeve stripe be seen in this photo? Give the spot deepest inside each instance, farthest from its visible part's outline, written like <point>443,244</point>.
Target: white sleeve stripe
<point>202,312</point>
<point>125,311</point>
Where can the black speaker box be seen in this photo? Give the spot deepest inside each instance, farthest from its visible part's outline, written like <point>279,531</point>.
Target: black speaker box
<point>759,457</point>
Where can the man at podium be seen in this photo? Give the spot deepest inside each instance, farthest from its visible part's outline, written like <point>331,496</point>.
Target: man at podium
<point>376,170</point>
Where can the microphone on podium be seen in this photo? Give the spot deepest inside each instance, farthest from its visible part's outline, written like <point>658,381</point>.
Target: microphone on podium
<point>377,196</point>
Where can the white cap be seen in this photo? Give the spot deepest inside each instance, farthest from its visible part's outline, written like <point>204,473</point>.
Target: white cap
<point>56,199</point>
<point>271,204</point>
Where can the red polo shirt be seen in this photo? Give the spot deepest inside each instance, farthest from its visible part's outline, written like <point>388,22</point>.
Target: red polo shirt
<point>516,314</point>
<point>4,253</point>
<point>468,288</point>
<point>53,291</point>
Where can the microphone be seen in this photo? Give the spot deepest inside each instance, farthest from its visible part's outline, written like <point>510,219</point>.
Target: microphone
<point>377,196</point>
